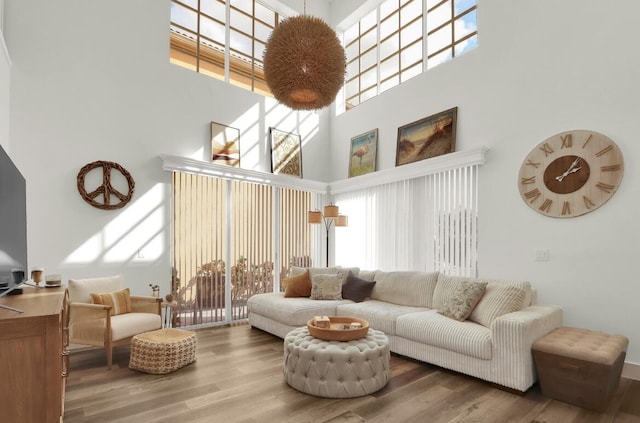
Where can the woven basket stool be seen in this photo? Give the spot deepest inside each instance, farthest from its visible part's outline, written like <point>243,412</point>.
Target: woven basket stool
<point>580,366</point>
<point>162,351</point>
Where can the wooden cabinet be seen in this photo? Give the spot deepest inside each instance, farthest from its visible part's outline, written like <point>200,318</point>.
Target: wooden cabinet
<point>33,356</point>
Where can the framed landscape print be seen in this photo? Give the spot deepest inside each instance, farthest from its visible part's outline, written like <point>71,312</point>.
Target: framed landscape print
<point>428,137</point>
<point>286,153</point>
<point>362,158</point>
<point>225,144</point>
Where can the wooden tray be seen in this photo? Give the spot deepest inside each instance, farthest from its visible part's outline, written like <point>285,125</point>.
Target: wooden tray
<point>334,333</point>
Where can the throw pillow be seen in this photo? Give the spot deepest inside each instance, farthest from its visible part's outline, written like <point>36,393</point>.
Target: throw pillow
<point>326,287</point>
<point>120,301</point>
<point>464,299</point>
<point>356,289</point>
<point>297,286</point>
<point>498,299</point>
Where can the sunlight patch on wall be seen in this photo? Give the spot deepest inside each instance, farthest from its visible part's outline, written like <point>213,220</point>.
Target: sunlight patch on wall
<point>304,123</point>
<point>250,140</point>
<point>134,234</point>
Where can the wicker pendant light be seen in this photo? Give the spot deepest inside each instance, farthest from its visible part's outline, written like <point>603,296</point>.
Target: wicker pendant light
<point>304,63</point>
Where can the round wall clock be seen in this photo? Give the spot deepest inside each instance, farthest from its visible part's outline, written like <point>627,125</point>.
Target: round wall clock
<point>571,173</point>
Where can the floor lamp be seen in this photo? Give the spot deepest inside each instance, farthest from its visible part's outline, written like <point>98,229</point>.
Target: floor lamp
<point>331,215</point>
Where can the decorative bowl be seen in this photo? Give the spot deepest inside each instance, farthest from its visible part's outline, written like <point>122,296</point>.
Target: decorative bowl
<point>335,331</point>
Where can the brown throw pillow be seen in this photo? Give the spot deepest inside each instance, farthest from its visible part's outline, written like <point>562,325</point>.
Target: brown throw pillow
<point>120,301</point>
<point>297,286</point>
<point>356,289</point>
<point>463,300</point>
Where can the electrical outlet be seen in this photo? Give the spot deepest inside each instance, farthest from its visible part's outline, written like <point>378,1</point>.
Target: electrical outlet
<point>542,254</point>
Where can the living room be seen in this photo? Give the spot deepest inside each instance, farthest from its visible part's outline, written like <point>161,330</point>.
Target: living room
<point>86,81</point>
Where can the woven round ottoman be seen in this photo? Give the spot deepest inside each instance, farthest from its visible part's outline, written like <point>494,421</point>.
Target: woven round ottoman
<point>162,351</point>
<point>335,369</point>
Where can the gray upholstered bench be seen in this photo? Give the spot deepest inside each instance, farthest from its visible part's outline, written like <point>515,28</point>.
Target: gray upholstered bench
<point>580,366</point>
<point>335,369</point>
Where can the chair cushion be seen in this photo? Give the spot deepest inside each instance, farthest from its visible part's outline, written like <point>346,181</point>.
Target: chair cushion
<point>409,288</point>
<point>290,311</point>
<point>120,301</point>
<point>122,326</point>
<point>80,289</point>
<point>129,324</point>
<point>432,328</point>
<point>380,315</point>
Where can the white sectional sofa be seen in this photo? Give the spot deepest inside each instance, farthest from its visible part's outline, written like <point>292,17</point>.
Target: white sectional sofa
<point>493,343</point>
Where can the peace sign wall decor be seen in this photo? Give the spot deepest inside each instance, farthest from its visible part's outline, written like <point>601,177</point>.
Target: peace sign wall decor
<point>106,190</point>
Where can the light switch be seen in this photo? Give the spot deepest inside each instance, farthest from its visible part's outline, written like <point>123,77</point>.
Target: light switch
<point>542,254</point>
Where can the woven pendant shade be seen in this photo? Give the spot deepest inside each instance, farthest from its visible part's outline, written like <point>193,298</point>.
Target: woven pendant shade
<point>304,63</point>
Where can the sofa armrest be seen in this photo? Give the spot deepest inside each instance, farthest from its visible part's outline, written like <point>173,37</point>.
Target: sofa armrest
<point>513,334</point>
<point>145,304</point>
<point>530,323</point>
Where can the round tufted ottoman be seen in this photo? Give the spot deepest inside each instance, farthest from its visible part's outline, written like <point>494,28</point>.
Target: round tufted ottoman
<point>162,351</point>
<point>335,369</point>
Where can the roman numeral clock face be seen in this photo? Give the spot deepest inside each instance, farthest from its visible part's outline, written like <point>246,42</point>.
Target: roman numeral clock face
<point>571,173</point>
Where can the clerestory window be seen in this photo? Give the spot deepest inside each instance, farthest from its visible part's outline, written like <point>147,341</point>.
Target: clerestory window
<point>401,39</point>
<point>224,39</point>
<point>396,41</point>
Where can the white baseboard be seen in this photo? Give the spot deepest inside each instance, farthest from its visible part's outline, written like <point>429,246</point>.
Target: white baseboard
<point>631,371</point>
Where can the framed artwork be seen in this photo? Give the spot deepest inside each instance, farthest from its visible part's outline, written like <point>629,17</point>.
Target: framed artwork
<point>225,144</point>
<point>362,158</point>
<point>286,153</point>
<point>428,137</point>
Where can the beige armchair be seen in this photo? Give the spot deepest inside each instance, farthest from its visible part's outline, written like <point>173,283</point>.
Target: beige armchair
<point>94,324</point>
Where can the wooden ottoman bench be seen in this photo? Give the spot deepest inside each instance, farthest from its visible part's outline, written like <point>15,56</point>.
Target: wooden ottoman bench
<point>580,366</point>
<point>162,351</point>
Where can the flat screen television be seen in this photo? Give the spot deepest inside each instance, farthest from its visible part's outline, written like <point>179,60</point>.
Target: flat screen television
<point>13,224</point>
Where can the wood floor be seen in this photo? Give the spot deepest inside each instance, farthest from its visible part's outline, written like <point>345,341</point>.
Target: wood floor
<point>238,378</point>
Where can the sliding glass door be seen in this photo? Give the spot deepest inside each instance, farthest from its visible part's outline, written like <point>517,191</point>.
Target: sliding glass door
<point>225,244</point>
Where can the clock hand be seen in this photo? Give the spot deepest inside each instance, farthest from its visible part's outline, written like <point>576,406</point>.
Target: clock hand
<point>568,171</point>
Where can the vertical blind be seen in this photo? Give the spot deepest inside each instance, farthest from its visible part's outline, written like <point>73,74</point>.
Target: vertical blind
<point>425,223</point>
<point>224,243</point>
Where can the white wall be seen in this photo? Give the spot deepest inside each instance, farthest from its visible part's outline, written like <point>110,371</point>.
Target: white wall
<point>541,68</point>
<point>92,81</point>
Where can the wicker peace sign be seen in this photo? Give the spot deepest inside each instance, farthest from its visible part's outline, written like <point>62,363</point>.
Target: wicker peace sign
<point>106,190</point>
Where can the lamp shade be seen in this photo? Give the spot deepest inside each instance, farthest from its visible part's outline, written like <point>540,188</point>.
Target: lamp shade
<point>314,217</point>
<point>331,211</point>
<point>304,63</point>
<point>342,220</point>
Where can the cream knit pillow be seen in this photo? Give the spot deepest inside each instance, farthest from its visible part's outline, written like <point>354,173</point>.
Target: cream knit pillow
<point>498,299</point>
